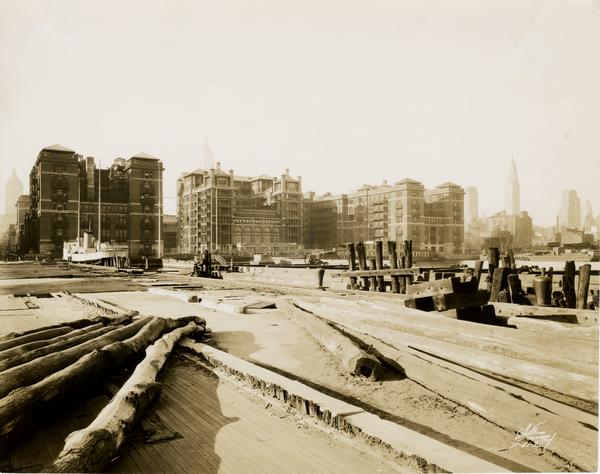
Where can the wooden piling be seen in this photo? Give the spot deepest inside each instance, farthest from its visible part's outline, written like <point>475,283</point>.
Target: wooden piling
<point>362,263</point>
<point>477,271</point>
<point>373,280</point>
<point>352,264</point>
<point>499,283</point>
<point>493,263</point>
<point>514,288</point>
<point>402,262</point>
<point>568,281</point>
<point>584,286</point>
<point>379,264</point>
<point>393,256</point>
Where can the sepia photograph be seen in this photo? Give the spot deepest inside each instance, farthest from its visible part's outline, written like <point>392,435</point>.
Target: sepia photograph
<point>299,236</point>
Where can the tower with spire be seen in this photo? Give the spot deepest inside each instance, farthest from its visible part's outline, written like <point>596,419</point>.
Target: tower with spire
<point>513,191</point>
<point>207,155</point>
<point>14,188</point>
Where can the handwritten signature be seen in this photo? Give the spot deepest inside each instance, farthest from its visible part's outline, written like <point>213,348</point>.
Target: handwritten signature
<point>532,436</point>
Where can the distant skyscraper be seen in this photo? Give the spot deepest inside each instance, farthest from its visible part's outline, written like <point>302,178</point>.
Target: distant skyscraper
<point>570,210</point>
<point>207,156</point>
<point>471,204</point>
<point>513,192</point>
<point>588,217</point>
<point>14,188</point>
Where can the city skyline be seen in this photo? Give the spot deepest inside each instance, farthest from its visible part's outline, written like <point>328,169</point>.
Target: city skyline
<point>363,92</point>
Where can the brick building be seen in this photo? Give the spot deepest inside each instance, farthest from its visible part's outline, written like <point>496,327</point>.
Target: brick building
<point>217,210</point>
<point>66,191</point>
<point>432,219</point>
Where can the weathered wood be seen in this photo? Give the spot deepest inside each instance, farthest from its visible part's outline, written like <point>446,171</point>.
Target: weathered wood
<point>500,403</point>
<point>71,340</point>
<point>493,263</point>
<point>76,324</point>
<point>403,283</point>
<point>379,264</point>
<point>353,359</point>
<point>34,336</point>
<point>515,289</point>
<point>477,271</point>
<point>499,283</point>
<point>20,404</point>
<point>576,316</point>
<point>374,273</point>
<point>30,346</point>
<point>362,265</point>
<point>569,284</point>
<point>352,264</point>
<point>407,247</point>
<point>584,286</point>
<point>92,448</point>
<point>444,302</point>
<point>393,256</point>
<point>372,278</point>
<point>486,356</point>
<point>511,257</point>
<point>37,369</point>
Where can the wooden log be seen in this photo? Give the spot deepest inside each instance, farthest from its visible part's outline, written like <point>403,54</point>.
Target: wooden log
<point>372,279</point>
<point>443,302</point>
<point>352,264</point>
<point>511,256</point>
<point>393,256</point>
<point>34,336</point>
<point>76,324</point>
<point>37,369</point>
<point>353,359</point>
<point>565,381</point>
<point>500,403</point>
<point>569,284</point>
<point>379,264</point>
<point>92,448</point>
<point>30,346</point>
<point>506,260</point>
<point>17,408</point>
<point>515,289</point>
<point>584,286</point>
<point>362,263</point>
<point>70,341</point>
<point>499,283</point>
<point>374,273</point>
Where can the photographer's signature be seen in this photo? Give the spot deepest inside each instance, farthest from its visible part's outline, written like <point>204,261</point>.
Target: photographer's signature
<point>532,436</point>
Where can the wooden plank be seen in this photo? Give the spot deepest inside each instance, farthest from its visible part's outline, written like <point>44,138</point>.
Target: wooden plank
<point>584,317</point>
<point>374,273</point>
<point>458,300</point>
<point>477,271</point>
<point>569,283</point>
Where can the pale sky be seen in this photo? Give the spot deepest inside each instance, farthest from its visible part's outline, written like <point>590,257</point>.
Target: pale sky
<point>342,92</point>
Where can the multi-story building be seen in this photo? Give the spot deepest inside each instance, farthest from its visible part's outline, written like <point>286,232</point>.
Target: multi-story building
<point>432,219</point>
<point>570,210</point>
<point>219,211</point>
<point>519,225</point>
<point>121,204</point>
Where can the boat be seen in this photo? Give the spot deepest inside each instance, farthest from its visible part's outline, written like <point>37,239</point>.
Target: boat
<point>88,250</point>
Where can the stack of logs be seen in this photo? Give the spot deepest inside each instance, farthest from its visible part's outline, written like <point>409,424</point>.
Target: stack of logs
<point>41,368</point>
